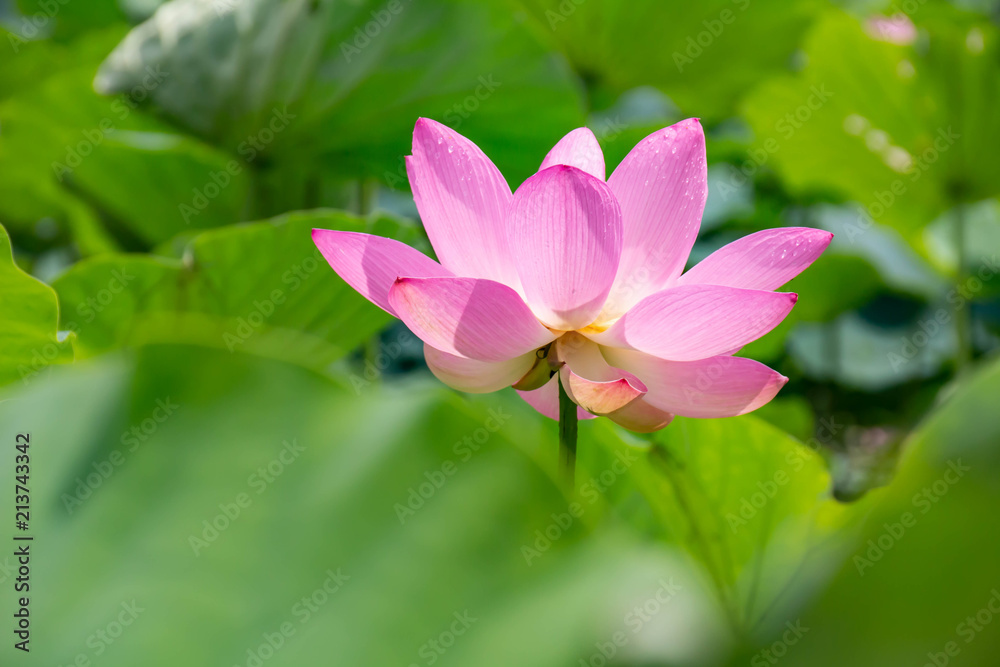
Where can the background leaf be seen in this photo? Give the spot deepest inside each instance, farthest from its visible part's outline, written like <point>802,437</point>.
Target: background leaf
<point>347,88</point>
<point>752,505</point>
<point>29,314</point>
<point>219,423</point>
<point>261,288</point>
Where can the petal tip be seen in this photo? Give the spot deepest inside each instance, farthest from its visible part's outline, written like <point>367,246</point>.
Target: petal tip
<point>562,171</point>
<point>821,235</point>
<point>427,128</point>
<point>690,124</point>
<point>634,383</point>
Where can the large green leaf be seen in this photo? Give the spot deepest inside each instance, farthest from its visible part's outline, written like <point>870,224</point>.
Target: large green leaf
<point>344,81</point>
<point>980,249</point>
<point>704,55</point>
<point>32,61</point>
<point>261,288</point>
<point>103,165</point>
<point>29,313</point>
<point>923,575</point>
<point>903,131</point>
<point>63,20</point>
<point>148,451</point>
<point>751,504</point>
<point>161,184</point>
<point>855,352</point>
<point>40,129</point>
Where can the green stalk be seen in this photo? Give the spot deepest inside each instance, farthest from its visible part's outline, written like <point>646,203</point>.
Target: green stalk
<point>567,436</point>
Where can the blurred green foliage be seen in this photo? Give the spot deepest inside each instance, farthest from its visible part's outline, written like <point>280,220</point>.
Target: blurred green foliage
<point>244,460</point>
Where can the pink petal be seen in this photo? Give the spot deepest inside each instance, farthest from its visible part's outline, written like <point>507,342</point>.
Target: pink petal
<point>468,317</point>
<point>640,416</point>
<point>590,381</point>
<point>577,149</point>
<point>474,376</point>
<point>763,260</point>
<point>691,322</point>
<point>661,186</point>
<point>546,400</point>
<point>462,199</point>
<point>370,264</point>
<point>566,238</point>
<point>720,386</point>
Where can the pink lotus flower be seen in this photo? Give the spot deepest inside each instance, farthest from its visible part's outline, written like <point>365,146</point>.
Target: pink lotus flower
<point>576,278</point>
<point>896,29</point>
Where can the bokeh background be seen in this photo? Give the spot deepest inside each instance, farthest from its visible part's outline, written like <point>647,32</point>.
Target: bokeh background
<point>236,460</point>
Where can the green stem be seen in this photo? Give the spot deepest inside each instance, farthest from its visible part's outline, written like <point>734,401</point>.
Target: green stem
<point>963,316</point>
<point>567,436</point>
